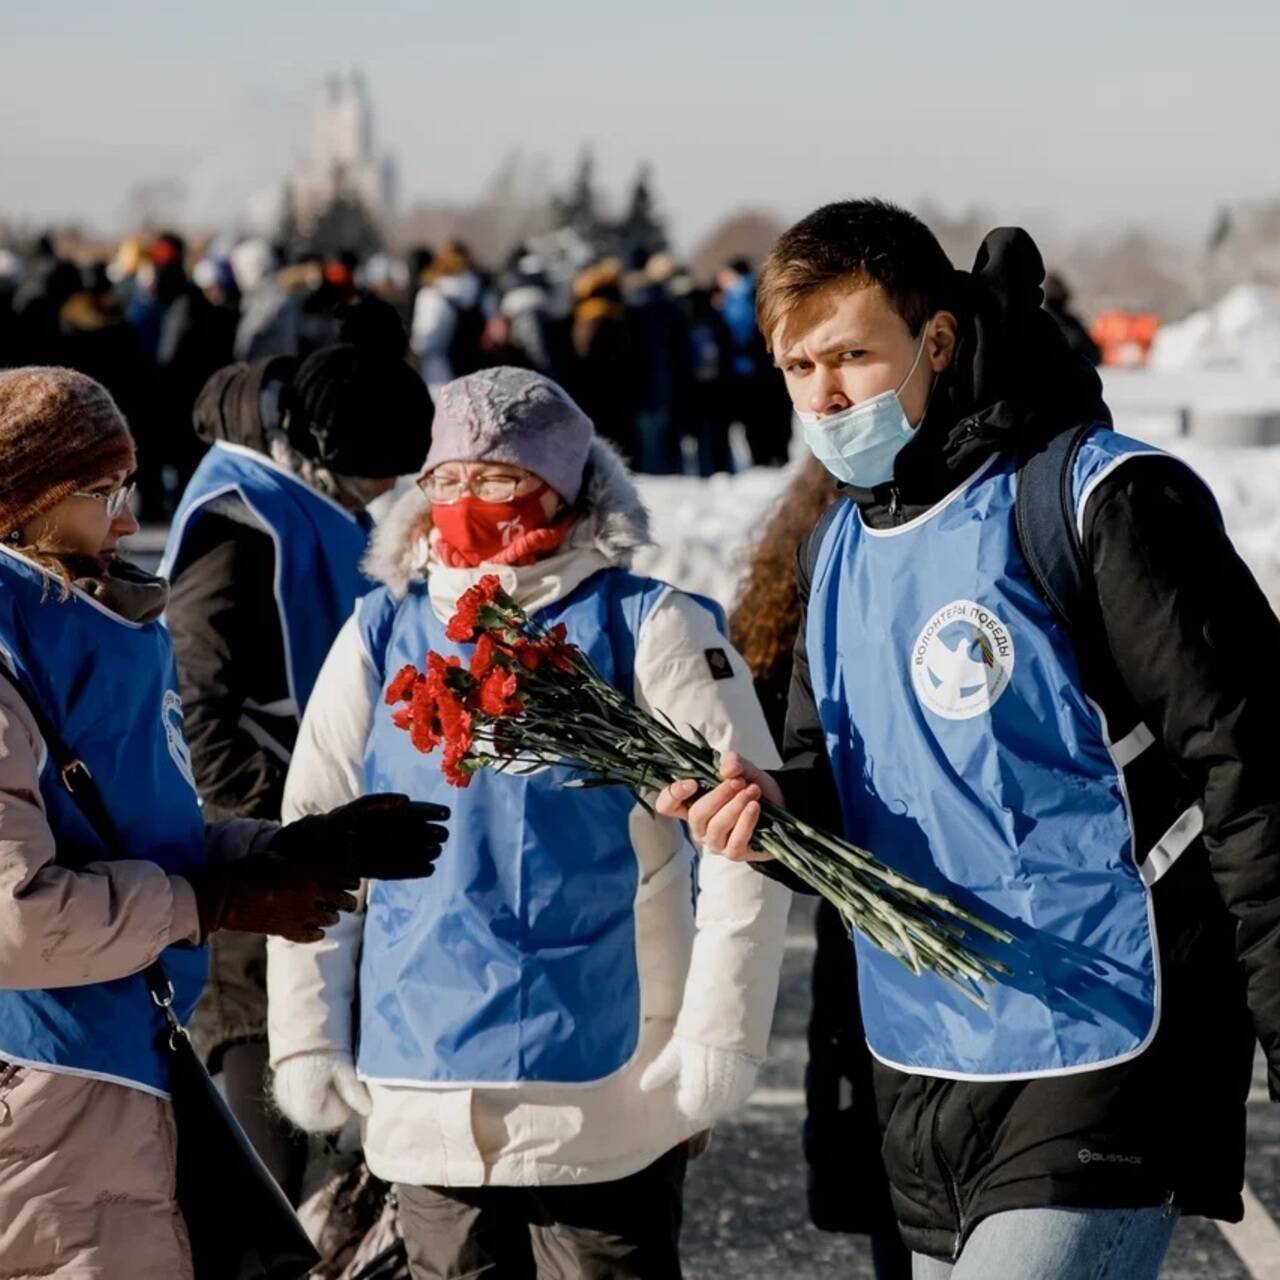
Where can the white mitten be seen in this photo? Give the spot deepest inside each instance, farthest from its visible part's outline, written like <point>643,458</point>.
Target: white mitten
<point>711,1083</point>
<point>319,1091</point>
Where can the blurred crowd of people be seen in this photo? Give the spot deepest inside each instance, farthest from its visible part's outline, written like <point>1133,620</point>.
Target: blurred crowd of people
<point>664,365</point>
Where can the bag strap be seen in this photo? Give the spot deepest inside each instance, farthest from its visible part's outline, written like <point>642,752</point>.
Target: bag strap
<point>813,547</point>
<point>79,782</point>
<point>1049,538</point>
<point>1047,533</point>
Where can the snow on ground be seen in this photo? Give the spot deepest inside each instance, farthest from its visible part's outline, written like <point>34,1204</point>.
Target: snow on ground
<point>1246,482</point>
<point>703,528</point>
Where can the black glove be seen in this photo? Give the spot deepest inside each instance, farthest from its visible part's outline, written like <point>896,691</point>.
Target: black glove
<point>382,837</point>
<point>267,894</point>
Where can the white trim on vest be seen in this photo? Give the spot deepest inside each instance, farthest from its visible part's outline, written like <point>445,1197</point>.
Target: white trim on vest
<point>937,508</point>
<point>1083,504</point>
<point>57,1069</point>
<point>280,707</point>
<point>179,532</point>
<point>264,739</point>
<point>272,465</point>
<point>76,591</point>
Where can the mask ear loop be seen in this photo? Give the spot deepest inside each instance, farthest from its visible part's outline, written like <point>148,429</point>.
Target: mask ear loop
<point>915,364</point>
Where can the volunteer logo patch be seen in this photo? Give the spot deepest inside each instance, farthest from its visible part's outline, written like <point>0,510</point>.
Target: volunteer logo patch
<point>962,661</point>
<point>175,737</point>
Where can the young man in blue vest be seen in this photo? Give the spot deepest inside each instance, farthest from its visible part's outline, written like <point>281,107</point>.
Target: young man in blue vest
<point>1098,781</point>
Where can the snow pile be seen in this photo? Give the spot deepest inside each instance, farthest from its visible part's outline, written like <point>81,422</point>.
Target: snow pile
<point>1240,333</point>
<point>703,529</point>
<point>1246,483</point>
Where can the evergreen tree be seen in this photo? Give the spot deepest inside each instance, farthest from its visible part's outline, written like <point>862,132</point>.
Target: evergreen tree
<point>577,207</point>
<point>344,224</point>
<point>641,232</point>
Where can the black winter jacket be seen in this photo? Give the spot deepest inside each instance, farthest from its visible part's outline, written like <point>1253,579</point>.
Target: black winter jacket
<point>225,622</point>
<point>1192,639</point>
<point>230,650</point>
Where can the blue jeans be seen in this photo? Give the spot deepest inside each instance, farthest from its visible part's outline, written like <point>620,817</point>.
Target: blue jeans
<point>1059,1244</point>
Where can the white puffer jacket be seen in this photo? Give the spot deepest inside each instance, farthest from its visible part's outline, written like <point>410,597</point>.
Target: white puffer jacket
<point>712,982</point>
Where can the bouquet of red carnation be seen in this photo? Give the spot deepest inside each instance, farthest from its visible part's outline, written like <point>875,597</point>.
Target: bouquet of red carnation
<point>528,699</point>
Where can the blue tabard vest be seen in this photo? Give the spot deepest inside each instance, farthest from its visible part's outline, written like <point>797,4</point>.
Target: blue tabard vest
<point>110,687</point>
<point>319,547</point>
<point>516,961</point>
<point>968,755</point>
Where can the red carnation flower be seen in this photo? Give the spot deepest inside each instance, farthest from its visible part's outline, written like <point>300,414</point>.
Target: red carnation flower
<point>426,735</point>
<point>465,622</point>
<point>455,719</point>
<point>529,654</point>
<point>483,658</point>
<point>559,652</point>
<point>496,695</point>
<point>401,687</point>
<point>453,766</point>
<point>439,670</point>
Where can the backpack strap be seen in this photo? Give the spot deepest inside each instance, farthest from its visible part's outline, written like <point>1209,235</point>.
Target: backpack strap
<point>1049,538</point>
<point>1047,534</point>
<point>813,546</point>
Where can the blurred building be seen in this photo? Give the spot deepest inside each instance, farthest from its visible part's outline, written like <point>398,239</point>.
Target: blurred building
<point>343,163</point>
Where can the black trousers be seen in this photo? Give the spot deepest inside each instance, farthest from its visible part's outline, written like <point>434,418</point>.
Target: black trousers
<point>623,1230</point>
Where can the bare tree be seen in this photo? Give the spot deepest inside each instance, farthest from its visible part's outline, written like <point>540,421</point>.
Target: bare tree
<point>512,207</point>
<point>1133,270</point>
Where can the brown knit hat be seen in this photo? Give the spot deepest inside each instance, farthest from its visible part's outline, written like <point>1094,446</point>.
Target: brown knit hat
<point>59,432</point>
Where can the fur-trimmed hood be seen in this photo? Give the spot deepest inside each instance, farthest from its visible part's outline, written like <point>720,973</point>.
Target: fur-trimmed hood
<point>613,526</point>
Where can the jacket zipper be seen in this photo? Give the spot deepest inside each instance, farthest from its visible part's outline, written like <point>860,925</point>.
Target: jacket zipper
<point>949,1181</point>
<point>895,505</point>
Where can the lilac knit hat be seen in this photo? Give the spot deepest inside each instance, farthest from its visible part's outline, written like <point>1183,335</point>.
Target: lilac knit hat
<point>516,416</point>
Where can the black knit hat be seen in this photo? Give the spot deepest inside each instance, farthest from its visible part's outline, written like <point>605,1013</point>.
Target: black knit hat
<point>359,412</point>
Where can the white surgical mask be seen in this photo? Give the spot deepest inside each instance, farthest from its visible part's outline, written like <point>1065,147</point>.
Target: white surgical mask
<point>858,445</point>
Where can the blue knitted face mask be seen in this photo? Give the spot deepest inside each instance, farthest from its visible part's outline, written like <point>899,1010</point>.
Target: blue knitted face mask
<point>859,444</point>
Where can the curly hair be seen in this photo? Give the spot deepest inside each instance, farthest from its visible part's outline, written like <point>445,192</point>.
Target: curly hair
<point>766,615</point>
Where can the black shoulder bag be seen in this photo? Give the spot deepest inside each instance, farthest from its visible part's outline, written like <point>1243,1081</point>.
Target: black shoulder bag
<point>241,1225</point>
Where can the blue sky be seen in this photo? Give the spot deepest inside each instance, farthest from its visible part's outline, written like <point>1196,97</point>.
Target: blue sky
<point>1074,116</point>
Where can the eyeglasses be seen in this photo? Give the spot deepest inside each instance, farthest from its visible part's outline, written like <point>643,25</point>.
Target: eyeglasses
<point>447,489</point>
<point>115,500</point>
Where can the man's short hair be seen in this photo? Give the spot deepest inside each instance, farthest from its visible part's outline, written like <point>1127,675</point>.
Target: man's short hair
<point>859,243</point>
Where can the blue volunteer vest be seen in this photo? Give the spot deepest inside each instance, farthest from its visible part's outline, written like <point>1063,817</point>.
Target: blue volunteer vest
<point>318,545</point>
<point>110,687</point>
<point>968,755</point>
<point>516,961</point>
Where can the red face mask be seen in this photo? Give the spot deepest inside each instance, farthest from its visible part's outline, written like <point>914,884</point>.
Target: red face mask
<point>476,532</point>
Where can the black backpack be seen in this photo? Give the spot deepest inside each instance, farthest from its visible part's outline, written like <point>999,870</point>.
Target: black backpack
<point>466,347</point>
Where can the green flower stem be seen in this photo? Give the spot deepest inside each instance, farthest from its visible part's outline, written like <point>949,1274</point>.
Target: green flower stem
<point>577,719</point>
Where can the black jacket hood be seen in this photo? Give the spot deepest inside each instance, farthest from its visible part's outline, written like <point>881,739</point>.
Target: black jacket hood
<point>229,406</point>
<point>1013,381</point>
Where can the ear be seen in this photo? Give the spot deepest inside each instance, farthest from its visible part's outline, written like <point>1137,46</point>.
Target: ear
<point>942,341</point>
